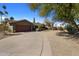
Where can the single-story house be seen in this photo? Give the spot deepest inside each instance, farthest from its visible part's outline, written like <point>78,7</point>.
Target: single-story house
<point>20,26</point>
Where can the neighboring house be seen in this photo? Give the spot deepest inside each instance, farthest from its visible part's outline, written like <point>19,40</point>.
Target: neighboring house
<point>20,26</point>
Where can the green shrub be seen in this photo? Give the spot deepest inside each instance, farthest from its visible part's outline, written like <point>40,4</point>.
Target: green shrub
<point>41,27</point>
<point>60,28</point>
<point>70,29</point>
<point>7,29</point>
<point>54,28</point>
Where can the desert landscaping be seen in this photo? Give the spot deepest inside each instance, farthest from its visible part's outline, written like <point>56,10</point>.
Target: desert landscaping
<point>39,29</point>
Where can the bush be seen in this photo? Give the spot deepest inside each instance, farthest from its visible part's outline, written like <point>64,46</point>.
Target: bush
<point>70,29</point>
<point>54,28</point>
<point>41,27</point>
<point>60,28</point>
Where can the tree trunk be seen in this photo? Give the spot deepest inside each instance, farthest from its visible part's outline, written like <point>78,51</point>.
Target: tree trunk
<point>1,19</point>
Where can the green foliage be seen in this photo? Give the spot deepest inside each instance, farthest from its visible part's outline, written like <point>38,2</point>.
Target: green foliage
<point>34,6</point>
<point>7,29</point>
<point>1,13</point>
<point>60,28</point>
<point>66,12</point>
<point>45,9</point>
<point>6,12</point>
<point>11,18</point>
<point>47,22</point>
<point>4,7</point>
<point>41,27</point>
<point>54,28</point>
<point>6,19</point>
<point>70,29</point>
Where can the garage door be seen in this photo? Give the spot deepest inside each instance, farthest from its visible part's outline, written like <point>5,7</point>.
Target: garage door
<point>23,28</point>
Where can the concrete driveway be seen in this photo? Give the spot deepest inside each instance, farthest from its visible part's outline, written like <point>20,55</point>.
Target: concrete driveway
<point>25,44</point>
<point>46,43</point>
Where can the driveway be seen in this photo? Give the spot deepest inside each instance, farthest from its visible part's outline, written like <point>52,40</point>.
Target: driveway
<point>63,45</point>
<point>25,44</point>
<point>45,43</point>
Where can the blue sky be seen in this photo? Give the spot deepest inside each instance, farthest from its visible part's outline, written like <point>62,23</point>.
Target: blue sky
<point>21,11</point>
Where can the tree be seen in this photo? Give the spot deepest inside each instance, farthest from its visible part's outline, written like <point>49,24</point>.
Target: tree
<point>6,19</point>
<point>5,13</point>
<point>66,12</point>
<point>34,20</point>
<point>47,22</point>
<point>4,10</point>
<point>4,7</point>
<point>1,13</point>
<point>11,18</point>
<point>70,29</point>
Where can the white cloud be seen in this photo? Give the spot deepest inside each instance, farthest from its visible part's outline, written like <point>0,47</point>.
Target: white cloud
<point>3,18</point>
<point>24,18</point>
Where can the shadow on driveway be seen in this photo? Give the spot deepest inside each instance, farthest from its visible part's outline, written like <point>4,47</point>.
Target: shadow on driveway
<point>68,36</point>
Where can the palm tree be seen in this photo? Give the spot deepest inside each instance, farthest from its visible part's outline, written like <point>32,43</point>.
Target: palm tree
<point>4,7</point>
<point>6,14</point>
<point>1,13</point>
<point>4,10</point>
